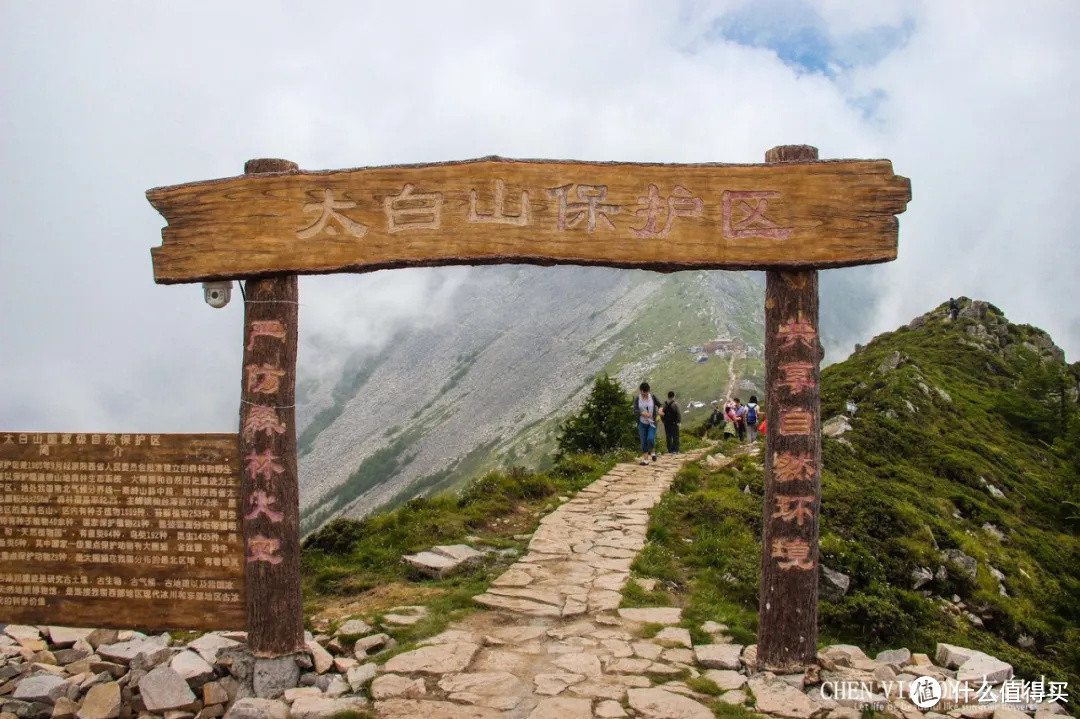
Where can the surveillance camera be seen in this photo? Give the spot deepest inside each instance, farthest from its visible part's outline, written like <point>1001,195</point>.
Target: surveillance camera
<point>217,294</point>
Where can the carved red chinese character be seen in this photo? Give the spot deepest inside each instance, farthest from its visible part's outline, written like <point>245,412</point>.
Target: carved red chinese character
<point>681,203</point>
<point>792,553</point>
<point>262,419</point>
<point>797,377</point>
<point>590,209</point>
<point>265,328</point>
<point>797,330</point>
<point>796,421</point>
<point>263,549</point>
<point>263,464</point>
<point>753,222</point>
<point>796,509</point>
<point>789,466</point>
<point>264,378</point>
<point>261,502</point>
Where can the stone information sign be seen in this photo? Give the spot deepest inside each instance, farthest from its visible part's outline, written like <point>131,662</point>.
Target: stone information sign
<point>121,530</point>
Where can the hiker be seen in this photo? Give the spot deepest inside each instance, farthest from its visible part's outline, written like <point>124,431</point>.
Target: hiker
<point>672,418</point>
<point>739,413</point>
<point>647,409</point>
<point>716,419</point>
<point>954,308</point>
<point>752,411</point>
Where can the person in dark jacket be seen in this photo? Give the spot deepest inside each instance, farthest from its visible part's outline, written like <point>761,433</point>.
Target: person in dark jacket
<point>954,308</point>
<point>647,409</point>
<point>672,417</point>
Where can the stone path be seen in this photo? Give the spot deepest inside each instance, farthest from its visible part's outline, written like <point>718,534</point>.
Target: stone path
<point>554,645</point>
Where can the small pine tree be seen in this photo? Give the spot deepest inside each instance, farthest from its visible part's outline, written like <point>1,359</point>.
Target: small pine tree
<point>605,422</point>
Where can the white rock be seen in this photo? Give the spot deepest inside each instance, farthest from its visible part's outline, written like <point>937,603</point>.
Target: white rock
<point>389,686</point>
<point>781,699</point>
<point>22,632</point>
<point>726,679</point>
<point>718,656</point>
<point>353,627</point>
<point>163,689</point>
<point>562,708</point>
<point>67,636</point>
<point>983,667</point>
<point>659,704</point>
<point>43,687</point>
<point>360,675</point>
<point>321,658</point>
<point>252,708</point>
<point>325,707</point>
<point>436,659</point>
<point>192,667</point>
<point>673,635</point>
<point>208,646</point>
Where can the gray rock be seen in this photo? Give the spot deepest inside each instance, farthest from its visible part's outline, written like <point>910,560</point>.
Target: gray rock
<point>253,708</point>
<point>993,531</point>
<point>983,667</point>
<point>968,565</point>
<point>920,576</point>
<point>952,656</point>
<point>273,676</point>
<point>780,699</point>
<point>365,645</point>
<point>238,660</point>
<point>718,656</point>
<point>353,628</point>
<point>891,362</point>
<point>64,637</point>
<point>163,689</point>
<point>899,657</point>
<point>443,560</point>
<point>44,687</point>
<point>360,675</point>
<point>1025,641</point>
<point>193,668</point>
<point>832,585</point>
<point>836,426</point>
<point>208,646</point>
<point>975,310</point>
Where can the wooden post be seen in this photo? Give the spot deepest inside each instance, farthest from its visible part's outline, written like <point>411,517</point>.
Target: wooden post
<point>787,624</point>
<point>270,494</point>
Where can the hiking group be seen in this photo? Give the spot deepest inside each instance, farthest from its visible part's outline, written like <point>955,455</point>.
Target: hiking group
<point>744,421</point>
<point>649,411</point>
<point>737,419</point>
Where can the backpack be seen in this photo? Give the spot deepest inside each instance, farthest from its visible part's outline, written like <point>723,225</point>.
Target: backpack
<point>751,414</point>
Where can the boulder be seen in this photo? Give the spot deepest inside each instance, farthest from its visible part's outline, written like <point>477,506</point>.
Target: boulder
<point>321,658</point>
<point>366,644</point>
<point>673,635</point>
<point>891,362</point>
<point>843,655</point>
<point>726,679</point>
<point>193,668</point>
<point>983,667</point>
<point>64,709</point>
<point>22,632</point>
<point>897,657</point>
<point>655,703</point>
<point>64,637</point>
<point>968,565</point>
<point>358,676</point>
<point>102,636</point>
<point>208,646</point>
<point>214,693</point>
<point>920,576</point>
<point>44,687</point>
<point>836,426</point>
<point>718,656</point>
<point>832,585</point>
<point>271,677</point>
<point>443,560</point>
<point>353,628</point>
<point>252,708</point>
<point>952,656</point>
<point>163,689</point>
<point>101,702</point>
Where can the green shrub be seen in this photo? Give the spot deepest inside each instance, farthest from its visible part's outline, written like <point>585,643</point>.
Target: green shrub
<point>605,423</point>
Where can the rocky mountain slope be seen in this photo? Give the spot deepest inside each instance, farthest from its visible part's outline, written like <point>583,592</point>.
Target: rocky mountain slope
<point>517,352</point>
<point>950,497</point>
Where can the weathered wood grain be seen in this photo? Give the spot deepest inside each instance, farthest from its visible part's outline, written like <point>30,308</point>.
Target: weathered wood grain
<point>788,594</point>
<point>270,496</point>
<point>814,214</point>
<point>121,530</point>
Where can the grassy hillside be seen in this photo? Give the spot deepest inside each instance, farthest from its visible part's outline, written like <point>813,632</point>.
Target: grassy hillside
<point>964,438</point>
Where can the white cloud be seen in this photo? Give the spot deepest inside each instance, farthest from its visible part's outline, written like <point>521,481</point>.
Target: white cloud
<point>103,100</point>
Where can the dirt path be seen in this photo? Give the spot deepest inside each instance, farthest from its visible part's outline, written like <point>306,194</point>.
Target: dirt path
<point>554,645</point>
<point>733,379</point>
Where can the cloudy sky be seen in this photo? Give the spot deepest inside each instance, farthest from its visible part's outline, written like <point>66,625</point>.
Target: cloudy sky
<point>977,102</point>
